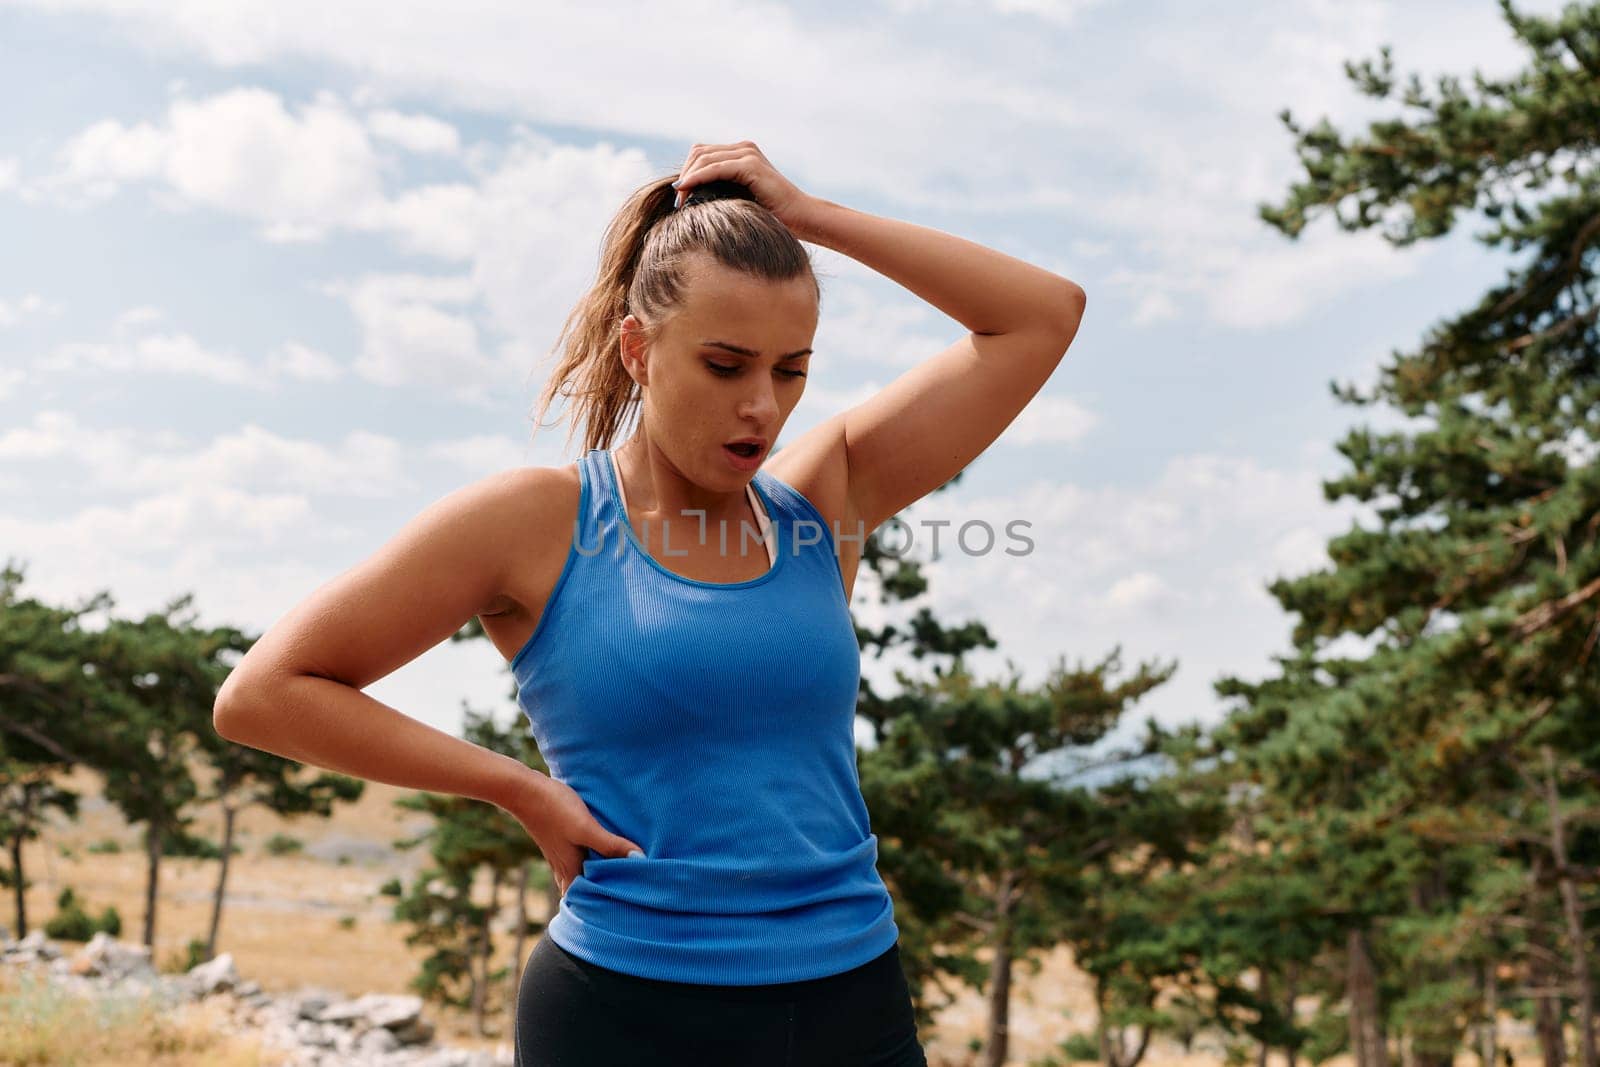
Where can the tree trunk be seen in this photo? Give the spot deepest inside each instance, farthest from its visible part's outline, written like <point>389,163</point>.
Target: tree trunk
<point>1121,1056</point>
<point>228,820</point>
<point>1113,1046</point>
<point>1366,1024</point>
<point>519,949</point>
<point>1264,995</point>
<point>152,879</point>
<point>1490,986</point>
<point>995,1048</point>
<point>1107,1054</point>
<point>480,1006</point>
<point>1547,1015</point>
<point>1291,984</point>
<point>18,890</point>
<point>1572,912</point>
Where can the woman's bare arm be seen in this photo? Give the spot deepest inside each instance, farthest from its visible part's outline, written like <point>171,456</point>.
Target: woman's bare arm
<point>924,427</point>
<point>297,692</point>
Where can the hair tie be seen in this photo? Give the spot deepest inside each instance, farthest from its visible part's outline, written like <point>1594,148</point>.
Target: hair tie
<point>722,189</point>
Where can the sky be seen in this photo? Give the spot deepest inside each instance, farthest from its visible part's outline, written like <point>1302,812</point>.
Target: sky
<point>275,276</point>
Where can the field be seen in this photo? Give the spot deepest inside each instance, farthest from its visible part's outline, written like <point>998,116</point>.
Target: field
<point>279,905</point>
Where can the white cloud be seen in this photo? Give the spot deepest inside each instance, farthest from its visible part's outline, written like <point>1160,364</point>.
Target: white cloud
<point>358,464</point>
<point>1172,567</point>
<point>303,363</point>
<point>172,353</point>
<point>134,317</point>
<point>480,455</point>
<point>820,402</point>
<point>526,230</point>
<point>1051,420</point>
<point>868,323</point>
<point>250,460</point>
<point>1256,282</point>
<point>240,151</point>
<point>1171,164</point>
<point>847,102</point>
<point>408,337</point>
<point>28,306</point>
<point>137,348</point>
<point>422,134</point>
<point>1060,12</point>
<point>228,547</point>
<point>1135,593</point>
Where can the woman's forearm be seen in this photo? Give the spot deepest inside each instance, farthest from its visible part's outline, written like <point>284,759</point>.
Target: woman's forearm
<point>985,290</point>
<point>331,725</point>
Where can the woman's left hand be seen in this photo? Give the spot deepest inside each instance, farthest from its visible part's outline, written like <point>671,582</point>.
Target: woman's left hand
<point>744,163</point>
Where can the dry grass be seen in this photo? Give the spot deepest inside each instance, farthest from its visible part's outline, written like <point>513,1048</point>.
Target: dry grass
<point>282,919</point>
<point>42,1023</point>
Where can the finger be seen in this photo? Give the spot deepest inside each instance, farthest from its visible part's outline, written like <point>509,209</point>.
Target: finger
<point>718,154</point>
<point>694,173</point>
<point>705,172</point>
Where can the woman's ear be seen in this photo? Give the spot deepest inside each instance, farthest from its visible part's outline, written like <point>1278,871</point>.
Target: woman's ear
<point>635,351</point>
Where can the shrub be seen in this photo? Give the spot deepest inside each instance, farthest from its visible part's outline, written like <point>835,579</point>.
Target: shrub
<point>72,923</point>
<point>283,844</point>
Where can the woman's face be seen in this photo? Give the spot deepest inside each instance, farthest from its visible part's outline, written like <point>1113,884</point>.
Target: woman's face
<point>701,390</point>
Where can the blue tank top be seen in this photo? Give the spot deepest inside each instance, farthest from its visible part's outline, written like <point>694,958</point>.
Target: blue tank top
<point>713,724</point>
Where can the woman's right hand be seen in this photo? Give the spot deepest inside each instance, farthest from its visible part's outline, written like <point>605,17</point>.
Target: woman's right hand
<point>560,823</point>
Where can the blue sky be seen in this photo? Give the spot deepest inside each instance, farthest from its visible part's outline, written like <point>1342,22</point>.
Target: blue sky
<point>278,275</point>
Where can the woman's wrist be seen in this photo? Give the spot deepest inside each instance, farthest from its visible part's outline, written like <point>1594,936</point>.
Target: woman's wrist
<point>815,222</point>
<point>521,790</point>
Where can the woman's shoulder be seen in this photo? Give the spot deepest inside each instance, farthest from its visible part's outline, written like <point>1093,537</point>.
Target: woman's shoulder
<point>532,513</point>
<point>543,500</point>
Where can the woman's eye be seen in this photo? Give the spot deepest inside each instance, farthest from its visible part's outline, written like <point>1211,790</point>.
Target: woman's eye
<point>725,371</point>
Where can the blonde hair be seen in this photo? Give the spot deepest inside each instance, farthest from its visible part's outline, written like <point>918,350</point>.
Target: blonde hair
<point>641,272</point>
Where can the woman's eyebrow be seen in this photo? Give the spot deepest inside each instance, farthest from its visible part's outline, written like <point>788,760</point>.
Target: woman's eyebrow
<point>739,350</point>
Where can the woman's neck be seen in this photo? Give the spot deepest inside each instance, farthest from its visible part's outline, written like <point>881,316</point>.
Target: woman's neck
<point>655,490</point>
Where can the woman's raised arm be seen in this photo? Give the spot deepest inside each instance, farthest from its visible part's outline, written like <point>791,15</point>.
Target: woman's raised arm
<point>923,428</point>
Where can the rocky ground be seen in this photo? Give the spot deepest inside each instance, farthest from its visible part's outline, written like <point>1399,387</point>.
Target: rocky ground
<point>312,1027</point>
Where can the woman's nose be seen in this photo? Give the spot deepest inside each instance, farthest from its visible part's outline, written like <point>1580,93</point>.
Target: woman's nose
<point>762,405</point>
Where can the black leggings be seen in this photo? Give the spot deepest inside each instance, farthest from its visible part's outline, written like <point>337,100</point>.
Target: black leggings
<point>573,1013</point>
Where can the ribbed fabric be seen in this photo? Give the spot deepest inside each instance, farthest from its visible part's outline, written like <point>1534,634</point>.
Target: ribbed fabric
<point>712,723</point>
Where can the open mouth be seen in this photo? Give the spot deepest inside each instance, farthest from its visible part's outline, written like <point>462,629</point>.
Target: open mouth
<point>745,449</point>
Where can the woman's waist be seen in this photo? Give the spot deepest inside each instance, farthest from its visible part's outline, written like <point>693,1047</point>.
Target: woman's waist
<point>841,980</point>
<point>786,945</point>
<point>807,812</point>
<point>753,878</point>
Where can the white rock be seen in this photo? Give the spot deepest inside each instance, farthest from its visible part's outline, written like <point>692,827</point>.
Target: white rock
<point>213,976</point>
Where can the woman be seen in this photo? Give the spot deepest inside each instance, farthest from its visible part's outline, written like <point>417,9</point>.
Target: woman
<point>675,611</point>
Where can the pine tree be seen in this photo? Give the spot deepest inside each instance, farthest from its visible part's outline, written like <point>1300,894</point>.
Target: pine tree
<point>977,838</point>
<point>469,843</point>
<point>39,660</point>
<point>1433,783</point>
